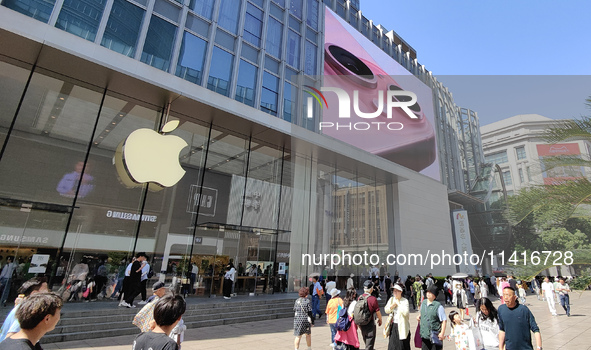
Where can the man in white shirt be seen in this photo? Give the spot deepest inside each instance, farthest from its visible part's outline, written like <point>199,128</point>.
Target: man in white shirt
<point>144,283</point>
<point>563,289</point>
<point>548,293</point>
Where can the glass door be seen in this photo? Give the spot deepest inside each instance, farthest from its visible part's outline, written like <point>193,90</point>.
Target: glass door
<point>30,235</point>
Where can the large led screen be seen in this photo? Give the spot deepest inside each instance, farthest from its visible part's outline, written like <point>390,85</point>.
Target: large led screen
<point>370,101</point>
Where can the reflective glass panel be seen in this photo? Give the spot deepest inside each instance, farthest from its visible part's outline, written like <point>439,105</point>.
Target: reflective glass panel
<point>37,9</point>
<point>253,25</point>
<point>159,41</point>
<point>274,35</point>
<point>247,77</point>
<point>269,93</point>
<point>293,49</point>
<point>202,7</point>
<point>228,18</point>
<point>220,71</point>
<point>81,17</point>
<point>191,58</point>
<point>123,27</point>
<point>310,67</point>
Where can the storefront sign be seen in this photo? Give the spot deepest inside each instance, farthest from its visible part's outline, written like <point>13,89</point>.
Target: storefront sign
<point>130,216</point>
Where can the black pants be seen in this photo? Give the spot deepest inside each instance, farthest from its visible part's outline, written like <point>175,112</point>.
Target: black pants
<point>427,345</point>
<point>143,286</point>
<point>227,287</point>
<point>368,332</point>
<point>100,283</point>
<point>133,290</point>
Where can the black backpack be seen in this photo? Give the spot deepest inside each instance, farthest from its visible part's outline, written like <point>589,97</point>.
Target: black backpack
<point>151,272</point>
<point>311,289</point>
<point>361,314</point>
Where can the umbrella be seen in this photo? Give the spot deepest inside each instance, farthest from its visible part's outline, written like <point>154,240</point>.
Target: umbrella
<point>459,275</point>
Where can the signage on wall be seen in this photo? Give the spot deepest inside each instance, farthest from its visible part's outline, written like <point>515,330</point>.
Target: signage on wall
<point>39,263</point>
<point>206,201</point>
<point>281,269</point>
<point>130,216</point>
<point>198,240</point>
<point>461,228</point>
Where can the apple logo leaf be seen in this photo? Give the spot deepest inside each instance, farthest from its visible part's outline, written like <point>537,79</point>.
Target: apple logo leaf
<point>170,126</point>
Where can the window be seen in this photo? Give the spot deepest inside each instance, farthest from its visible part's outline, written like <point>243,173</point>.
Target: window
<point>202,7</point>
<point>293,49</point>
<point>229,11</point>
<point>39,10</point>
<point>220,71</point>
<point>521,177</point>
<point>289,107</point>
<point>253,25</point>
<point>191,58</point>
<point>269,94</point>
<point>498,158</point>
<point>247,77</point>
<point>310,64</point>
<point>312,17</point>
<point>158,45</point>
<point>81,17</point>
<point>123,28</point>
<point>274,34</point>
<point>295,8</point>
<point>507,178</point>
<point>520,152</point>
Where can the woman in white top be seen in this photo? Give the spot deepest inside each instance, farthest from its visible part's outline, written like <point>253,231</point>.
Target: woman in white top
<point>483,288</point>
<point>548,293</point>
<point>400,329</point>
<point>487,322</point>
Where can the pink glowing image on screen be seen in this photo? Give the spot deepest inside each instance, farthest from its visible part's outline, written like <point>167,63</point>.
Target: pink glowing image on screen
<point>354,64</point>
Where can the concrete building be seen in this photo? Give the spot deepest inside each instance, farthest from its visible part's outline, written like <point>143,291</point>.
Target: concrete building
<point>518,146</point>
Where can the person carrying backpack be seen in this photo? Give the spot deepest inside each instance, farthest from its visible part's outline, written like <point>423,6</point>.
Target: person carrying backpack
<point>333,308</point>
<point>365,313</point>
<point>346,337</point>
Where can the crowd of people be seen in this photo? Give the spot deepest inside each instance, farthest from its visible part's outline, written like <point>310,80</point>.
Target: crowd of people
<point>355,317</point>
<point>351,319</point>
<point>36,311</point>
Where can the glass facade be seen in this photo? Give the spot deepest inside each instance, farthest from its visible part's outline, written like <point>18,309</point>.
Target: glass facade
<point>253,201</point>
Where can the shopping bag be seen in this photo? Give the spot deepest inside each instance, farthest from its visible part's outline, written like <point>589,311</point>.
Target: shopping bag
<point>474,337</point>
<point>418,340</point>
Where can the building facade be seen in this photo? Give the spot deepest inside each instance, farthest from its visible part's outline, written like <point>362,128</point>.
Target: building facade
<point>263,185</point>
<point>518,146</point>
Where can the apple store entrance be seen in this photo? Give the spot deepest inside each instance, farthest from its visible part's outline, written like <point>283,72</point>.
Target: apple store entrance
<point>253,252</point>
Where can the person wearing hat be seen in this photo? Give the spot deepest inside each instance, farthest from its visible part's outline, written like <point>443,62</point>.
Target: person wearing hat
<point>368,331</point>
<point>432,321</point>
<point>332,312</point>
<point>143,318</point>
<point>399,308</point>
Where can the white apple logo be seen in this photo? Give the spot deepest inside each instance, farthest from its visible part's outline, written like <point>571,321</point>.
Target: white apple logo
<point>151,157</point>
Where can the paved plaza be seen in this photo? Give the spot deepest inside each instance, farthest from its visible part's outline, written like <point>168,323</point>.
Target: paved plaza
<point>559,332</point>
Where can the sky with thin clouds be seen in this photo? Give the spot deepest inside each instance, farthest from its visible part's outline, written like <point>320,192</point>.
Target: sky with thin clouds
<point>500,58</point>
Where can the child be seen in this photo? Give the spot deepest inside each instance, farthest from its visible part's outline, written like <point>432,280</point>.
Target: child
<point>522,294</point>
<point>167,314</point>
<point>458,331</point>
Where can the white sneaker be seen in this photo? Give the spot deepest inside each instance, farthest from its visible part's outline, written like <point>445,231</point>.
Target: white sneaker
<point>143,302</point>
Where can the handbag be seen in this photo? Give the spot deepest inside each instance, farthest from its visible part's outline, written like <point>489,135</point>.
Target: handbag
<point>435,338</point>
<point>418,340</point>
<point>474,337</point>
<point>388,326</point>
<point>86,293</point>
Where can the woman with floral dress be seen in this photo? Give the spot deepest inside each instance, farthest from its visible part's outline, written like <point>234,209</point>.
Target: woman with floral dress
<point>302,321</point>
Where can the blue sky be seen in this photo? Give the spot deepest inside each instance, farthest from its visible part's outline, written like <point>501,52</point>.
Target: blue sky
<point>500,58</point>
